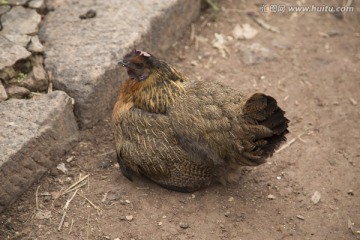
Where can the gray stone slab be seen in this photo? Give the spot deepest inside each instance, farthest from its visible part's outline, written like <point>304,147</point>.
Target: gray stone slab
<point>19,23</point>
<point>83,54</point>
<point>34,133</point>
<point>10,52</point>
<point>20,20</point>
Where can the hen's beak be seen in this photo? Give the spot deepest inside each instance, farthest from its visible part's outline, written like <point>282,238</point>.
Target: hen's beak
<point>121,62</point>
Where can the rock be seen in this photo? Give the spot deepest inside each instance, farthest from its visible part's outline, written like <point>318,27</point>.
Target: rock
<point>4,9</point>
<point>219,42</point>
<point>129,217</point>
<point>333,33</point>
<point>353,101</point>
<point>245,31</point>
<point>83,55</point>
<point>40,77</point>
<point>14,91</point>
<point>37,81</point>
<point>3,94</point>
<point>19,39</point>
<point>271,197</point>
<point>256,54</point>
<point>315,198</point>
<point>35,45</point>
<point>184,225</point>
<point>36,4</point>
<point>10,52</point>
<point>89,14</point>
<point>300,217</point>
<point>37,60</point>
<point>112,196</point>
<point>62,168</point>
<point>20,20</point>
<point>350,192</point>
<point>34,135</point>
<point>7,73</point>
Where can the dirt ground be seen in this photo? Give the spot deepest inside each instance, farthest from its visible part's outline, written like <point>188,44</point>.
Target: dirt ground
<point>315,78</point>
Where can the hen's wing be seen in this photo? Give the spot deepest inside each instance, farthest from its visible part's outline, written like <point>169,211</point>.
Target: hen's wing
<point>149,147</point>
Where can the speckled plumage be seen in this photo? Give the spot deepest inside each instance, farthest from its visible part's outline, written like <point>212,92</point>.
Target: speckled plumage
<point>184,134</point>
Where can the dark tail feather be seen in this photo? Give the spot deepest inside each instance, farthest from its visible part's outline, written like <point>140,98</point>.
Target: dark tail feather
<point>270,124</point>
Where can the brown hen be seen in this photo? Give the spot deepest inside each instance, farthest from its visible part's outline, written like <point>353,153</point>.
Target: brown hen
<point>185,134</point>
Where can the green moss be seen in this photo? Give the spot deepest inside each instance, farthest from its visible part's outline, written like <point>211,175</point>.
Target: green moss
<point>4,2</point>
<point>20,77</point>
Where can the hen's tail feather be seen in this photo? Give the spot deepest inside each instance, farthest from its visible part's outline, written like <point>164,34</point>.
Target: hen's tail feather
<point>270,122</point>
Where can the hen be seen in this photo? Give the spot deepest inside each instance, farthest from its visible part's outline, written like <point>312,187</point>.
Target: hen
<point>185,134</point>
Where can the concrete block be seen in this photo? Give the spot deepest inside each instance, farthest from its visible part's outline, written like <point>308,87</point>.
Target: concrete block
<point>34,134</point>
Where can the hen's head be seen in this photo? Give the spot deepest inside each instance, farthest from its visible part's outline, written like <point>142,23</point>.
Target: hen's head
<point>141,65</point>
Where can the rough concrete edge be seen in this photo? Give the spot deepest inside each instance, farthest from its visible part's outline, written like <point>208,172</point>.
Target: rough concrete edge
<point>40,161</point>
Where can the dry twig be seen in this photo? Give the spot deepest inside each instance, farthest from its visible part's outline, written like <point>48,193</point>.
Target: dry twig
<point>91,203</point>
<point>262,23</point>
<point>192,34</point>
<point>298,137</point>
<point>74,184</point>
<point>37,198</point>
<point>65,209</point>
<point>73,189</point>
<point>71,225</point>
<point>50,87</point>
<point>307,132</point>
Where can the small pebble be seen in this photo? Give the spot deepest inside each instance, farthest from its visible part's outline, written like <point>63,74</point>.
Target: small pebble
<point>300,217</point>
<point>227,214</point>
<point>70,159</point>
<point>160,223</point>
<point>271,197</point>
<point>231,199</point>
<point>333,33</point>
<point>353,101</point>
<point>315,198</point>
<point>129,217</point>
<point>89,14</point>
<point>184,225</point>
<point>350,192</point>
